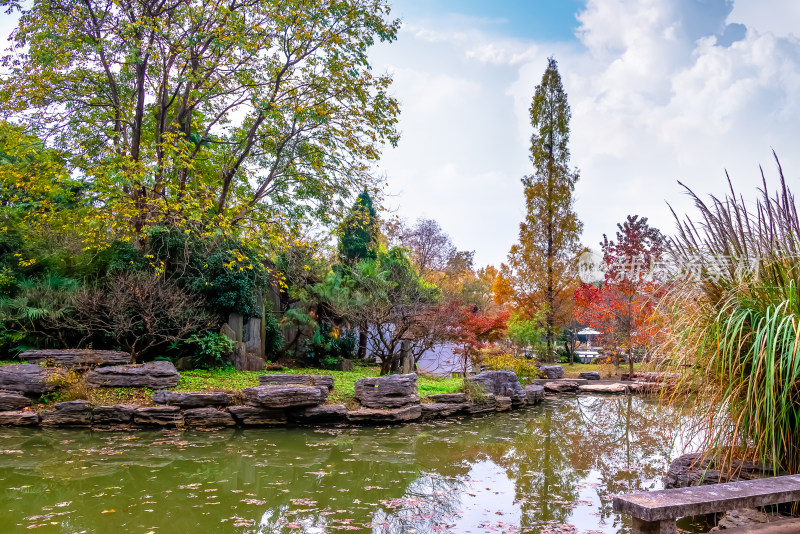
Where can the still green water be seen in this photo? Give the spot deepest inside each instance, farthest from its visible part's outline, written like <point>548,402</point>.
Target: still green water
<point>552,468</point>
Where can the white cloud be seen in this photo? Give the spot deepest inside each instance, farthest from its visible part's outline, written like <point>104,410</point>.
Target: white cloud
<point>660,91</point>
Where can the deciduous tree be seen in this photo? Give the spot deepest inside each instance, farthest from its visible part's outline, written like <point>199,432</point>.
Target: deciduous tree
<point>542,267</point>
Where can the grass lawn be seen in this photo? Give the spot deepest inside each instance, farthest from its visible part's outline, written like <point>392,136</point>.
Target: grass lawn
<point>607,371</point>
<point>344,381</point>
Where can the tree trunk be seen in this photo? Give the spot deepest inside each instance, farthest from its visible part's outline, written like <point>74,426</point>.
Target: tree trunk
<point>362,344</point>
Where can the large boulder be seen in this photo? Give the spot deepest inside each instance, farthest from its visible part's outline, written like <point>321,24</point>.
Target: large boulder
<point>607,389</point>
<point>392,391</point>
<point>377,416</point>
<point>489,404</point>
<point>70,413</point>
<point>119,414</point>
<point>246,361</point>
<point>207,417</point>
<point>285,379</point>
<point>29,379</point>
<point>501,384</point>
<point>552,371</point>
<point>534,393</point>
<point>19,418</point>
<point>158,416</point>
<point>77,358</point>
<point>253,416</point>
<point>284,396</point>
<point>590,375</point>
<point>154,375</point>
<point>328,413</point>
<point>12,401</point>
<point>437,410</point>
<point>191,399</point>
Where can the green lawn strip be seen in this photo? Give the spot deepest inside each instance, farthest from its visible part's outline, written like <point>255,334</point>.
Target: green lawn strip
<point>344,381</point>
<point>607,371</point>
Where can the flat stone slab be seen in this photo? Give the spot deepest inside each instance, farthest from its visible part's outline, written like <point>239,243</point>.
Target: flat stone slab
<point>375,416</point>
<point>154,375</point>
<point>443,409</point>
<point>77,358</point>
<point>669,504</point>
<point>392,391</point>
<point>12,401</point>
<point>158,416</point>
<point>325,414</point>
<point>284,396</point>
<point>561,386</point>
<point>70,413</point>
<point>207,417</point>
<point>589,375</point>
<point>119,414</point>
<point>191,399</point>
<point>253,416</point>
<point>458,398</point>
<point>607,389</point>
<point>650,388</point>
<point>500,383</point>
<point>28,379</point>
<point>285,379</point>
<point>27,418</point>
<point>543,381</point>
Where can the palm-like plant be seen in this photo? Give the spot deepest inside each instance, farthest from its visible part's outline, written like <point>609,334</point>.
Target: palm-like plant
<point>737,328</point>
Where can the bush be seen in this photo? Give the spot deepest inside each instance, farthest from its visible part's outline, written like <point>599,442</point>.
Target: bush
<point>504,361</point>
<point>330,344</point>
<point>211,350</point>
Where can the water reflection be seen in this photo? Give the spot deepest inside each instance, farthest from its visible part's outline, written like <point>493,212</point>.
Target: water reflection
<point>551,468</point>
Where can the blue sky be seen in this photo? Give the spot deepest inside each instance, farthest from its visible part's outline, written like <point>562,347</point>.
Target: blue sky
<point>660,90</point>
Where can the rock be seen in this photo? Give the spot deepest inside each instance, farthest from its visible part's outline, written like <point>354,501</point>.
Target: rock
<point>651,377</point>
<point>458,398</point>
<point>184,363</point>
<point>590,375</point>
<point>29,379</point>
<point>534,393</point>
<point>154,375</point>
<point>246,361</point>
<point>158,416</point>
<point>395,415</point>
<point>328,413</point>
<point>487,405</point>
<point>442,409</point>
<point>19,418</point>
<point>207,417</point>
<point>12,401</point>
<point>252,416</point>
<point>283,379</point>
<point>647,388</point>
<point>228,332</point>
<point>70,413</point>
<point>500,383</point>
<point>608,389</point>
<point>191,399</point>
<point>77,358</point>
<point>284,396</point>
<point>552,371</point>
<point>503,404</point>
<point>559,386</point>
<point>694,469</point>
<point>119,414</point>
<point>392,391</point>
<point>745,517</point>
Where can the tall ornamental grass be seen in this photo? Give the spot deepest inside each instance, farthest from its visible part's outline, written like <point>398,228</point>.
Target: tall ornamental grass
<point>735,329</point>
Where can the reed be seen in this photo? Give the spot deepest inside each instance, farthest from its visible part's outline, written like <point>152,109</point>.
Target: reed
<point>735,324</point>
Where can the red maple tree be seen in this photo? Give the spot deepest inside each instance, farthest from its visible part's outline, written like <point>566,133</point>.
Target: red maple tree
<point>476,329</point>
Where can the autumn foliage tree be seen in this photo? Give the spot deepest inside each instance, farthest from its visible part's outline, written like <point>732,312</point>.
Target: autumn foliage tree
<point>623,307</point>
<point>476,329</point>
<point>542,268</point>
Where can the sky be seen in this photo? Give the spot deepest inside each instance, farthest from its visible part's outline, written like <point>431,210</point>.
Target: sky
<point>661,91</point>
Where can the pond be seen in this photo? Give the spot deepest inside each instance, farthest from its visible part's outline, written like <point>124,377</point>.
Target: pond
<point>552,468</point>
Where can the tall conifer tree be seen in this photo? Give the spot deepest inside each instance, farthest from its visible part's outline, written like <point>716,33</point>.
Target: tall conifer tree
<point>542,268</point>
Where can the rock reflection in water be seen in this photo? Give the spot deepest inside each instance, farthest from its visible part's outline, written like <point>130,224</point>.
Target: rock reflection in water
<point>535,470</point>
